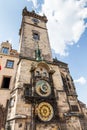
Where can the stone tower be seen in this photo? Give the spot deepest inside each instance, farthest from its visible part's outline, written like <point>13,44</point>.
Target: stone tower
<point>44,96</point>
<point>33,32</point>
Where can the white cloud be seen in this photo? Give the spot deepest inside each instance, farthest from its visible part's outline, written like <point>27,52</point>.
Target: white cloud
<point>81,81</point>
<point>65,22</point>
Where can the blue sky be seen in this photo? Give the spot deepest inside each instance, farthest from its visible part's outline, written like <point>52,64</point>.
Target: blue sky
<point>67,29</point>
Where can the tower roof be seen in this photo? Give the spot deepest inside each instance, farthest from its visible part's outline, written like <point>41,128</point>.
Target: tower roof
<point>25,12</point>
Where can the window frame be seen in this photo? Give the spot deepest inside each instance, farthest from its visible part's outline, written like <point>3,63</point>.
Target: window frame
<point>74,108</point>
<point>10,64</point>
<point>27,90</point>
<point>36,35</point>
<point>11,102</point>
<point>5,50</point>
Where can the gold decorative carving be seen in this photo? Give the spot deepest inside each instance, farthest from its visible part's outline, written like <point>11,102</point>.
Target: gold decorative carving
<point>45,111</point>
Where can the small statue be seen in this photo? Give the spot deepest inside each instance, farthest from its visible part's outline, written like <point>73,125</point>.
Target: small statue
<point>38,54</point>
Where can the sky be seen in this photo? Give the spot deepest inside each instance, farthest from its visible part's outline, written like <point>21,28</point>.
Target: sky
<point>67,30</point>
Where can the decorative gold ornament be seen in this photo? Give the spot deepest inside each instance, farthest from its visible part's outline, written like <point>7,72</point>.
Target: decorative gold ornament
<point>43,88</point>
<point>45,111</point>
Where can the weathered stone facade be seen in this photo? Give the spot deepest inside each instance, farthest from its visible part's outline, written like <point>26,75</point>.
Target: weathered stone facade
<point>42,94</point>
<point>8,57</point>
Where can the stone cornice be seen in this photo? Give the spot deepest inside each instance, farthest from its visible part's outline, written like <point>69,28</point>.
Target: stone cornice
<point>25,12</point>
<point>58,63</point>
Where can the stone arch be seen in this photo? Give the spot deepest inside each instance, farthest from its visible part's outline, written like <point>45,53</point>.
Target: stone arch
<point>45,65</point>
<point>42,69</point>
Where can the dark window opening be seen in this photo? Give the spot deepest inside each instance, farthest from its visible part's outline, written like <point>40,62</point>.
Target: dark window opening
<point>74,108</point>
<point>67,79</point>
<point>28,90</point>
<point>6,82</point>
<point>65,84</point>
<point>36,36</point>
<point>69,85</point>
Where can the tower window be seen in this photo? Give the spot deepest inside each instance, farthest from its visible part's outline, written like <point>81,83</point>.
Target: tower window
<point>6,82</point>
<point>36,36</point>
<point>11,102</point>
<point>5,50</point>
<point>74,108</point>
<point>69,85</point>
<point>9,64</point>
<point>28,90</point>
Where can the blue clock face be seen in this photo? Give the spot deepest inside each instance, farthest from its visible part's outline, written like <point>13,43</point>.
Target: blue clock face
<point>43,88</point>
<point>36,21</point>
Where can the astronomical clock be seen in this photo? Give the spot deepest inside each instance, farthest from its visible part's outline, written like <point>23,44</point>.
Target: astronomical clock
<point>44,97</point>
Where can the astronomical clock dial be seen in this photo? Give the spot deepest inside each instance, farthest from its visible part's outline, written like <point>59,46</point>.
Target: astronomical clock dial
<point>43,88</point>
<point>45,111</point>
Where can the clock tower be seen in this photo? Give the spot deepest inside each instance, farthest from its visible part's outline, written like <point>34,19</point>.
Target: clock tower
<point>33,32</point>
<point>44,93</point>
